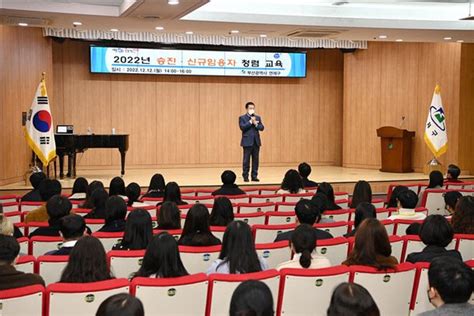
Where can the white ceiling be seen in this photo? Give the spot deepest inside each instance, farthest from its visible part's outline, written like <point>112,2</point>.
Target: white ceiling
<point>429,21</point>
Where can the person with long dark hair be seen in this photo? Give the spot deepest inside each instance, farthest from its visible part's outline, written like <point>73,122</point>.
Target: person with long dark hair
<point>122,304</point>
<point>328,190</point>
<point>252,298</point>
<point>436,182</point>
<point>292,183</point>
<point>94,185</point>
<point>133,191</point>
<point>169,216</point>
<point>57,207</point>
<point>156,188</point>
<point>79,189</point>
<point>303,245</point>
<point>115,213</point>
<point>463,218</point>
<point>138,231</point>
<point>352,299</point>
<point>451,198</point>
<point>372,247</point>
<point>238,254</point>
<point>196,230</point>
<point>362,193</point>
<point>98,198</point>
<point>363,210</point>
<point>393,201</point>
<point>87,262</point>
<point>47,189</point>
<point>117,187</point>
<point>162,259</point>
<point>172,194</point>
<point>222,212</point>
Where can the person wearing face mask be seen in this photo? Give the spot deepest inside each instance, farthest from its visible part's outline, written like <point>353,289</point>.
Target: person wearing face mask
<point>250,125</point>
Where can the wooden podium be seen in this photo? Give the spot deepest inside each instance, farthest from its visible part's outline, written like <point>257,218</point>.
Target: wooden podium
<point>396,149</point>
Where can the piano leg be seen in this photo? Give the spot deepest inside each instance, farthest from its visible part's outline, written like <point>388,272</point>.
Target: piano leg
<point>69,165</point>
<point>61,166</point>
<point>122,160</point>
<point>74,164</point>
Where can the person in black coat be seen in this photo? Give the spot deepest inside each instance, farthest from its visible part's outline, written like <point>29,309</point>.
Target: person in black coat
<point>304,170</point>
<point>115,213</point>
<point>228,187</point>
<point>156,189</point>
<point>34,195</point>
<point>72,228</point>
<point>196,231</point>
<point>57,207</point>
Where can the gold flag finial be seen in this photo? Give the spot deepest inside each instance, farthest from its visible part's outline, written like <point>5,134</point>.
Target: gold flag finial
<point>437,89</point>
<point>44,93</point>
<point>43,75</point>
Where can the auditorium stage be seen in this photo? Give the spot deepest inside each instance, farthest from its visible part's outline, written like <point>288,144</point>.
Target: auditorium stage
<point>343,179</point>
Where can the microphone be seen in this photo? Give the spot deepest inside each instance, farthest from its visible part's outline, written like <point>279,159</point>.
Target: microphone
<point>402,121</point>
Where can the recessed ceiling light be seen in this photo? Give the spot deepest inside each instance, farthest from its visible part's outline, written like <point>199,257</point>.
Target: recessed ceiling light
<point>159,28</point>
<point>173,2</point>
<point>189,32</point>
<point>114,30</point>
<point>77,23</point>
<point>383,36</point>
<point>22,24</point>
<point>460,41</point>
<point>234,31</point>
<point>263,35</point>
<point>447,38</point>
<point>398,40</point>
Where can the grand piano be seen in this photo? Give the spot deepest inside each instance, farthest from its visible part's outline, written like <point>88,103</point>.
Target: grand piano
<point>71,144</point>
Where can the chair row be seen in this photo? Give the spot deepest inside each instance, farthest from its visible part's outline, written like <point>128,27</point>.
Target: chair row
<point>433,200</point>
<point>295,292</point>
<point>420,187</point>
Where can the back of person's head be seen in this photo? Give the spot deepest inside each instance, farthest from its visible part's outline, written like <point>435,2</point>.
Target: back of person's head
<point>292,181</point>
<point>172,192</point>
<point>452,279</point>
<point>36,178</point>
<point>451,198</point>
<point>87,262</point>
<point>394,196</point>
<point>352,299</point>
<point>115,209</point>
<point>169,216</point>
<point>371,240</point>
<point>138,230</point>
<point>117,186</point>
<point>132,192</point>
<point>304,170</point>
<point>197,221</point>
<point>407,199</point>
<point>307,212</point>
<point>9,249</point>
<point>463,218</point>
<point>362,193</point>
<point>453,172</point>
<point>72,226</point>
<point>228,177</point>
<point>222,212</point>
<point>162,258</point>
<point>122,304</point>
<point>436,231</point>
<point>157,183</point>
<point>238,249</point>
<point>93,186</point>
<point>57,207</point>
<point>364,210</point>
<point>80,185</point>
<point>252,298</point>
<point>328,190</point>
<point>303,241</point>
<point>413,229</point>
<point>48,188</point>
<point>6,226</point>
<point>436,179</point>
<point>99,198</point>
<point>321,201</point>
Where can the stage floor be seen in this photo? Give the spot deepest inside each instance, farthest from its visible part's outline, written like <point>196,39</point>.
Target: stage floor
<point>202,177</point>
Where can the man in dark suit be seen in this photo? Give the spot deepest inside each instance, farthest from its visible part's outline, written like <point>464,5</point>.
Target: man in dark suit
<point>34,195</point>
<point>57,207</point>
<point>250,125</point>
<point>72,228</point>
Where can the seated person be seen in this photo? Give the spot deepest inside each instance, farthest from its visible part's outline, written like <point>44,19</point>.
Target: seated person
<point>372,247</point>
<point>94,185</point>
<point>453,174</point>
<point>115,213</point>
<point>133,192</point>
<point>196,230</point>
<point>169,216</point>
<point>228,185</point>
<point>34,195</point>
<point>305,170</point>
<point>98,198</point>
<point>47,189</point>
<point>322,202</point>
<point>138,231</point>
<point>6,226</point>
<point>122,304</point>
<point>352,299</point>
<point>392,203</point>
<point>306,213</point>
<point>451,283</point>
<point>363,210</point>
<point>117,187</point>
<point>252,297</point>
<point>11,278</point>
<point>436,233</point>
<point>463,218</point>
<point>362,193</point>
<point>327,189</point>
<point>222,212</point>
<point>172,194</point>
<point>57,207</point>
<point>156,188</point>
<point>292,183</point>
<point>451,199</point>
<point>407,201</point>
<point>79,189</point>
<point>72,228</point>
<point>436,182</point>
<point>303,245</point>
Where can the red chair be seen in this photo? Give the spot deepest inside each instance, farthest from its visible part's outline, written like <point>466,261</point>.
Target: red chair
<point>189,192</point>
<point>94,223</point>
<point>198,259</point>
<point>51,267</point>
<point>123,263</point>
<point>218,231</point>
<point>294,198</point>
<point>39,245</point>
<point>335,249</point>
<point>344,203</point>
<point>29,206</point>
<point>204,192</point>
<point>266,198</point>
<point>308,291</point>
<point>176,233</point>
<point>401,226</point>
<point>251,190</point>
<point>336,229</point>
<point>108,240</point>
<point>222,286</point>
<point>151,201</point>
<point>32,226</point>
<point>236,199</point>
<point>25,264</point>
<point>13,217</point>
<point>419,300</point>
<point>465,245</point>
<point>268,233</point>
<point>285,206</point>
<point>257,218</point>
<point>245,208</point>
<point>337,215</point>
<point>24,245</point>
<point>280,218</point>
<point>383,213</point>
<point>204,199</point>
<point>269,190</point>
<point>274,253</point>
<point>22,301</point>
<point>9,198</point>
<point>185,295</point>
<point>10,207</point>
<point>81,298</point>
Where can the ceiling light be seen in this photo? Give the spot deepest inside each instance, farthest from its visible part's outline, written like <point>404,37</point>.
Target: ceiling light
<point>460,41</point>
<point>398,40</point>
<point>77,23</point>
<point>114,30</point>
<point>234,31</point>
<point>263,35</point>
<point>383,36</point>
<point>189,32</point>
<point>159,28</point>
<point>22,24</point>
<point>173,2</point>
<point>448,38</point>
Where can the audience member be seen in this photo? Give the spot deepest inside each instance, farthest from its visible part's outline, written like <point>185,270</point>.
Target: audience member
<point>436,233</point>
<point>57,207</point>
<point>117,187</point>
<point>169,216</point>
<point>98,198</point>
<point>303,245</point>
<point>72,228</point>
<point>393,201</point>
<point>133,192</point>
<point>10,277</point>
<point>79,189</point>
<point>162,259</point>
<point>407,201</point>
<point>156,189</point>
<point>172,194</point>
<point>196,230</point>
<point>453,174</point>
<point>228,187</point>
<point>122,304</point>
<point>463,218</point>
<point>222,212</point>
<point>138,231</point>
<point>327,190</point>
<point>34,195</point>
<point>115,213</point>
<point>352,299</point>
<point>450,199</point>
<point>252,298</point>
<point>304,170</point>
<point>47,189</point>
<point>292,183</point>
<point>362,193</point>
<point>94,185</point>
<point>6,226</point>
<point>451,283</point>
<point>87,262</point>
<point>363,210</point>
<point>372,246</point>
<point>322,203</point>
<point>436,182</point>
<point>238,254</point>
<point>306,213</point>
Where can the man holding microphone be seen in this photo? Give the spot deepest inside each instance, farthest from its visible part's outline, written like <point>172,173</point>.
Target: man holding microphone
<point>250,125</point>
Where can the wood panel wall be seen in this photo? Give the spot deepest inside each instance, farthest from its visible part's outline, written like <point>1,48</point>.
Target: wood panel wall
<point>391,80</point>
<point>24,55</point>
<point>190,121</point>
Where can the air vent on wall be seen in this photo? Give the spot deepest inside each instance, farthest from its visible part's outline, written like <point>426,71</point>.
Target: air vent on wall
<point>14,20</point>
<point>307,33</point>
